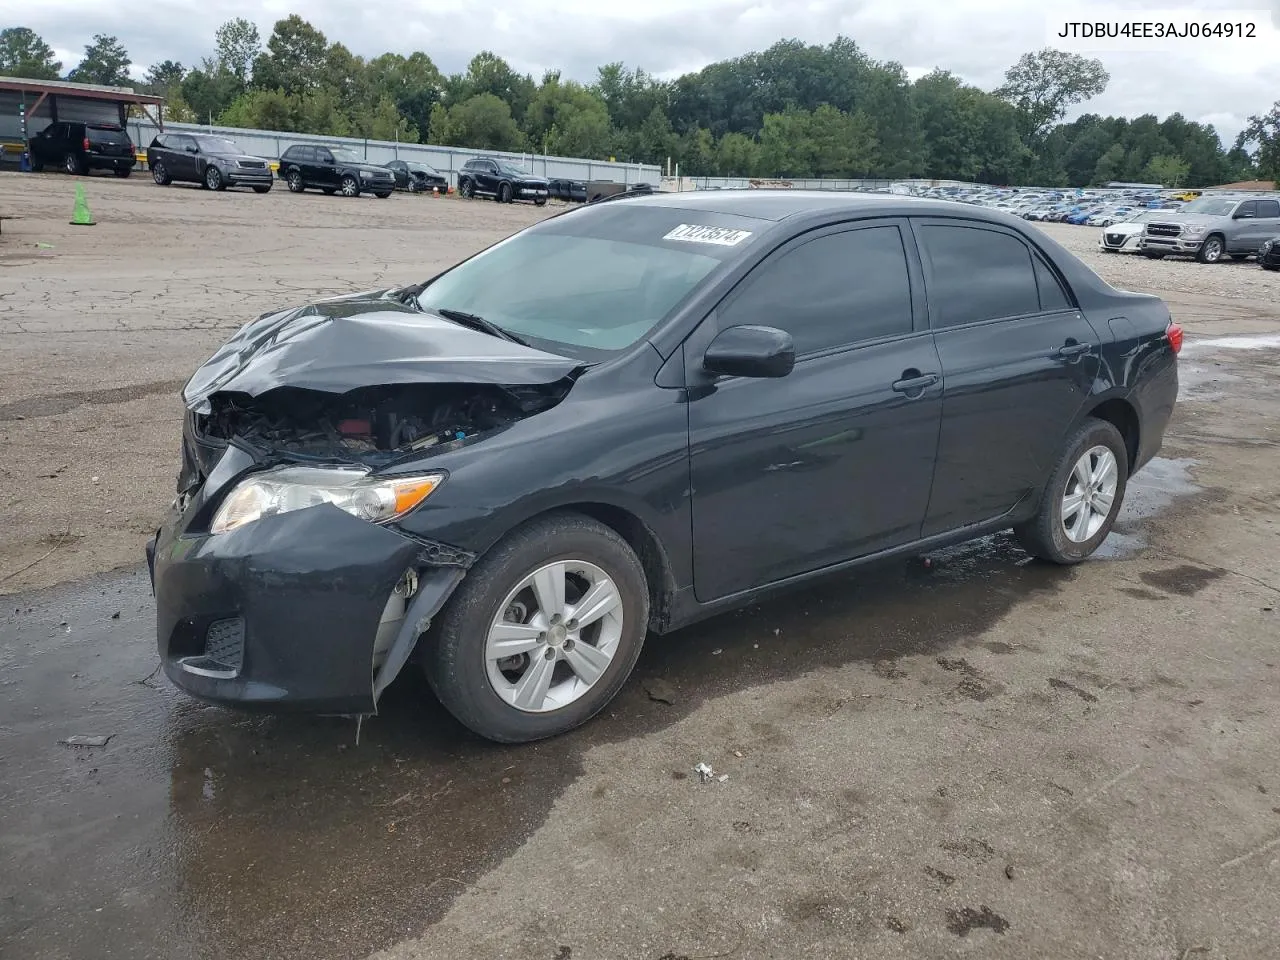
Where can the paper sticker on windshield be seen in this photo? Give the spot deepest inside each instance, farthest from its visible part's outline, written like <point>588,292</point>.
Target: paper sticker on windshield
<point>720,236</point>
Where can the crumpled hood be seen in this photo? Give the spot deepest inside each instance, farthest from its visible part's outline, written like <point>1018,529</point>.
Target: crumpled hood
<point>362,340</point>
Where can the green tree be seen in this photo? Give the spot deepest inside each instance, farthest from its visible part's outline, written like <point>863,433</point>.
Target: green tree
<point>294,60</point>
<point>105,62</point>
<point>1043,84</point>
<point>165,74</point>
<point>483,122</point>
<point>489,73</point>
<point>844,145</point>
<point>1264,131</point>
<point>697,152</point>
<point>413,82</point>
<point>1167,171</point>
<point>737,155</point>
<point>264,110</point>
<point>1109,165</point>
<point>23,53</point>
<point>210,89</point>
<point>238,45</point>
<point>786,145</point>
<point>382,121</point>
<point>567,119</point>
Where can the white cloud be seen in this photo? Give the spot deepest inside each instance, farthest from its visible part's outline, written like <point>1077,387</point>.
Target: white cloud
<point>976,39</point>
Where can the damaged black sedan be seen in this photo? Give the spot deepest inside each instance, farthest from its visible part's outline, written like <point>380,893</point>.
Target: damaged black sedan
<point>626,418</point>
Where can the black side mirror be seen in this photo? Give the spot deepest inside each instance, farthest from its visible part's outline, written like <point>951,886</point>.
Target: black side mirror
<point>751,351</point>
<point>193,149</point>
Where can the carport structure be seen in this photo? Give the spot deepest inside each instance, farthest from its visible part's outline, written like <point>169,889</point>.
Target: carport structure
<point>28,106</point>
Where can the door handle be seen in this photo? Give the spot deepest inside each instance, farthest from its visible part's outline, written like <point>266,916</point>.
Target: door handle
<point>1073,349</point>
<point>914,382</point>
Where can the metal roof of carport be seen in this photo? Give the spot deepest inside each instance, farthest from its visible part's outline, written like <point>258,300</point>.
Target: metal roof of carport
<point>85,91</point>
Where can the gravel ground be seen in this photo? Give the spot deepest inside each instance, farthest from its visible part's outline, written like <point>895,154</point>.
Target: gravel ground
<point>979,756</point>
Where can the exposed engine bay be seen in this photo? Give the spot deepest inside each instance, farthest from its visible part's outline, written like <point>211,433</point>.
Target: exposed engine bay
<point>371,424</point>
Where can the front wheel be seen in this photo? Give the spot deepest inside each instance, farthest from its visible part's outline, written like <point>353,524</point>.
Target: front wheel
<point>540,202</point>
<point>265,188</point>
<point>504,193</point>
<point>382,194</point>
<point>543,632</point>
<point>294,179</point>
<point>213,178</point>
<point>1212,250</point>
<point>349,186</point>
<point>1082,498</point>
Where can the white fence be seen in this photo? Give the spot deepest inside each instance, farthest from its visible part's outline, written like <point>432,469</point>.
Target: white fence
<point>269,144</point>
<point>800,183</point>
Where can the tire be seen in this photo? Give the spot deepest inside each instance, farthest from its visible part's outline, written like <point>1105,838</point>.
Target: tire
<point>123,172</point>
<point>540,202</point>
<point>1153,256</point>
<point>37,165</point>
<point>504,193</point>
<point>294,180</point>
<point>160,175</point>
<point>467,681</point>
<point>213,179</point>
<point>73,165</point>
<point>349,187</point>
<point>382,194</point>
<point>265,188</point>
<point>466,188</point>
<point>1212,250</point>
<point>1049,534</point>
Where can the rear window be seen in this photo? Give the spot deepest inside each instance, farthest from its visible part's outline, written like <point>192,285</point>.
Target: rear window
<point>107,134</point>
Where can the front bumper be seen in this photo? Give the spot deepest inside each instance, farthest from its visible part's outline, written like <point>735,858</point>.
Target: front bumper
<point>293,612</point>
<point>532,193</point>
<point>1170,244</point>
<point>248,177</point>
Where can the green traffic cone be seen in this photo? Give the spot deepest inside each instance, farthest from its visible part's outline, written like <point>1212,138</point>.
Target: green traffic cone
<point>82,217</point>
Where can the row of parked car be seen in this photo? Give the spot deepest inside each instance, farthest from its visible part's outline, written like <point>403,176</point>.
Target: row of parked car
<point>1209,227</point>
<point>217,163</point>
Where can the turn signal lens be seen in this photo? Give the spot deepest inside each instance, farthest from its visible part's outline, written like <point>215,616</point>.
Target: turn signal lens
<point>1174,335</point>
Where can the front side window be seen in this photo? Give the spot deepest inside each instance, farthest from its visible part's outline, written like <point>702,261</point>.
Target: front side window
<point>1246,211</point>
<point>976,274</point>
<point>345,155</point>
<point>830,291</point>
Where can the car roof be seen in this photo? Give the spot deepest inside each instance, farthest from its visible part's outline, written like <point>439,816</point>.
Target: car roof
<point>777,205</point>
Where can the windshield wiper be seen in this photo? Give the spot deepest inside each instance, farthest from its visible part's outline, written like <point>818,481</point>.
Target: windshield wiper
<point>478,323</point>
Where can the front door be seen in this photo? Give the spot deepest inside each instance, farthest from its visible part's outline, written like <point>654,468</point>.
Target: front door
<point>1018,361</point>
<point>835,460</point>
<point>324,171</point>
<point>184,166</point>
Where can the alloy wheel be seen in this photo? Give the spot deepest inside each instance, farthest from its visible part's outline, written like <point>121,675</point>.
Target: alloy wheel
<point>1089,494</point>
<point>554,636</point>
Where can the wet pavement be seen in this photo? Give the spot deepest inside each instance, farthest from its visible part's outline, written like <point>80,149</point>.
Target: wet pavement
<point>197,826</point>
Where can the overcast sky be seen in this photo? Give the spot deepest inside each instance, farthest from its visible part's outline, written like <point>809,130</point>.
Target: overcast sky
<point>1213,82</point>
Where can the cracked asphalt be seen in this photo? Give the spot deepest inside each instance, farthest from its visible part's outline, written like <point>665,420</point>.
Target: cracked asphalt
<point>967,754</point>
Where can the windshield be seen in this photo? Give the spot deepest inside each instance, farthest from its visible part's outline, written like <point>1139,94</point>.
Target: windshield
<point>217,145</point>
<point>346,155</point>
<point>583,286</point>
<point>1211,206</point>
<point>511,171</point>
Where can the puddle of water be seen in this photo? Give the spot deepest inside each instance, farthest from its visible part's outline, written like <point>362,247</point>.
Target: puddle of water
<point>1197,381</point>
<point>1262,341</point>
<point>1150,491</point>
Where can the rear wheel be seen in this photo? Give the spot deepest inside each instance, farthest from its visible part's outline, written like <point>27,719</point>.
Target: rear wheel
<point>73,165</point>
<point>382,194</point>
<point>294,179</point>
<point>123,172</point>
<point>466,188</point>
<point>1212,250</point>
<point>543,632</point>
<point>1083,496</point>
<point>504,193</point>
<point>265,188</point>
<point>349,186</point>
<point>160,174</point>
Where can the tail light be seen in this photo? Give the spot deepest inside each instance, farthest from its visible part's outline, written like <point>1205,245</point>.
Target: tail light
<point>86,144</point>
<point>1173,333</point>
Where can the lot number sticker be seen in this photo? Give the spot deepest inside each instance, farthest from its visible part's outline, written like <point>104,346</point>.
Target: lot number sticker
<point>720,236</point>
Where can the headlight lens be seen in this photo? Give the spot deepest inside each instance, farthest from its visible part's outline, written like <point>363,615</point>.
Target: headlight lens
<point>1266,246</point>
<point>1193,230</point>
<point>284,489</point>
<point>366,174</point>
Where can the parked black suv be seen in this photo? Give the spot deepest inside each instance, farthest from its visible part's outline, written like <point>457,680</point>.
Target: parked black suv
<point>215,162</point>
<point>417,177</point>
<point>81,147</point>
<point>1269,254</point>
<point>334,170</point>
<point>490,177</point>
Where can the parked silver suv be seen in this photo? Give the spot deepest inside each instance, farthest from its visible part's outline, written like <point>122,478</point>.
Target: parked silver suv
<point>1211,228</point>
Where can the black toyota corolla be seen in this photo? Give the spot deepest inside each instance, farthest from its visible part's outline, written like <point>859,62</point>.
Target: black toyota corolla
<point>629,417</point>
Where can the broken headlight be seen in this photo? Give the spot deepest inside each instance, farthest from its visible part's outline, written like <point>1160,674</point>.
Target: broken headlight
<point>294,488</point>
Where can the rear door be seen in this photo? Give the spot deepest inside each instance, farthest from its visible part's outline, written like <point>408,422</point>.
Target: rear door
<point>835,460</point>
<point>1264,226</point>
<point>1018,362</point>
